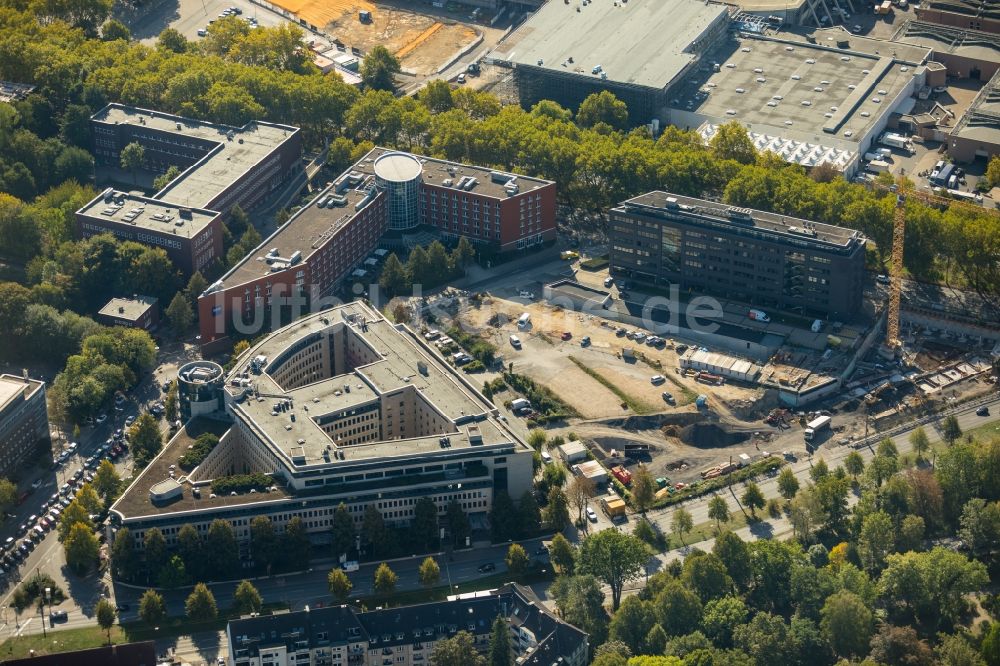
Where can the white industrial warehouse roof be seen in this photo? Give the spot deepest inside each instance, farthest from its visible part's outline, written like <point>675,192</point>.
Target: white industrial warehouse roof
<point>640,42</point>
<point>792,150</point>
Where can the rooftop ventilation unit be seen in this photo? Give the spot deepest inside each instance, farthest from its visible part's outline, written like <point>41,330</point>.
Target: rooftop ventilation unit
<point>741,215</point>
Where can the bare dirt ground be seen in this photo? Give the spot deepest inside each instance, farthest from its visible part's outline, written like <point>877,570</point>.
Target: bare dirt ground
<point>422,42</point>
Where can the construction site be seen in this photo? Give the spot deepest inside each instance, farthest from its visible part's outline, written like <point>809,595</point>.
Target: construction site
<point>423,41</point>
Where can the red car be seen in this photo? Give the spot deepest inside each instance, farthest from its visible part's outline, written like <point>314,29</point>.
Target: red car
<point>567,335</point>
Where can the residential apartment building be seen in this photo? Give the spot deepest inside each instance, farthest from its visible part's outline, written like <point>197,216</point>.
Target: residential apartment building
<point>24,422</point>
<point>405,636</point>
<point>760,258</point>
<point>339,407</point>
<point>387,198</point>
<point>220,167</point>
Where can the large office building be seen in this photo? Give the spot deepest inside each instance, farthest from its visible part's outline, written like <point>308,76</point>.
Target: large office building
<point>220,167</point>
<point>385,198</point>
<point>753,256</point>
<point>639,50</point>
<point>406,636</point>
<point>24,422</point>
<point>339,407</point>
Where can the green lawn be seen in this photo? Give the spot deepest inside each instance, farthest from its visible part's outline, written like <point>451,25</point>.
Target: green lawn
<point>67,640</point>
<point>703,531</point>
<point>635,404</point>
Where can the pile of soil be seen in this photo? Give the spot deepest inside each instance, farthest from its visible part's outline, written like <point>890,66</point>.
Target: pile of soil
<point>710,435</point>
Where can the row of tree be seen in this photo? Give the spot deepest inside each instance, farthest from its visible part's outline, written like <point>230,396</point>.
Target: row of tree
<point>861,582</point>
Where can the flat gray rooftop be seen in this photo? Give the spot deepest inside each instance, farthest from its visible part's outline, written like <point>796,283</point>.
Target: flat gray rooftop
<point>639,42</point>
<point>981,121</point>
<point>128,308</point>
<point>401,354</point>
<point>789,227</point>
<point>146,213</point>
<point>801,87</point>
<point>198,185</point>
<point>946,39</point>
<point>311,226</point>
<point>11,385</point>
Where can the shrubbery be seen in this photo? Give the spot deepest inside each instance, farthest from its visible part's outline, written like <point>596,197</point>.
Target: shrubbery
<point>198,451</point>
<point>241,483</point>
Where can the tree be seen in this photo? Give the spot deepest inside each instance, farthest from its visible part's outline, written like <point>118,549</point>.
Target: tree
<point>385,580</point>
<point>106,482</point>
<point>8,494</point>
<point>950,430</point>
<point>179,314</point>
<point>955,650</point>
<point>980,526</point>
<point>854,464</point>
<point>643,489</point>
<point>173,574</point>
<point>847,624</point>
<point>113,30</point>
<point>875,540</point>
<point>632,623</point>
<point>132,157</point>
<point>152,610</point>
<point>528,512</point>
<point>87,497</point>
<point>752,497</point>
<point>681,522</point>
<point>500,651</point>
<point>735,554</point>
<point>706,574</point>
<point>220,540</point>
<point>145,439</point>
<point>580,602</point>
<point>900,645</point>
<point>819,470</point>
<point>614,558</point>
<point>991,645</point>
<point>343,531</point>
<point>295,545</point>
<point>200,605</point>
<point>603,108</point>
<point>459,650</point>
<point>81,547</point>
<point>463,254</point>
<point>721,616</point>
<point>74,514</point>
<point>579,491</point>
<point>263,541</point>
<point>562,554</point>
<point>732,142</point>
<point>246,598</point>
<point>517,559</point>
<point>429,572</point>
<point>718,511</point>
<point>920,442</point>
<point>379,68</point>
<point>170,403</point>
<point>557,512</point>
<point>339,584</point>
<point>678,609</point>
<point>765,638</point>
<point>458,524</point>
<point>788,485</point>
<point>106,615</point>
<point>374,533</point>
<point>124,560</point>
<point>393,279</point>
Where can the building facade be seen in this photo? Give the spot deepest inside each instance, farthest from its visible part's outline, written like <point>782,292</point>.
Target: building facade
<point>748,255</point>
<point>220,167</point>
<point>24,422</point>
<point>136,312</point>
<point>386,198</point>
<point>405,636</point>
<point>340,407</point>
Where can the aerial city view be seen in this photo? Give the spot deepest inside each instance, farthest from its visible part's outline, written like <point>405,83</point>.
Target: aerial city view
<point>500,333</point>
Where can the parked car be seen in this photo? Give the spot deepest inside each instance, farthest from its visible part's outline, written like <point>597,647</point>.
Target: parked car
<point>487,567</point>
<point>515,342</point>
<point>591,515</point>
<point>983,411</point>
<point>58,616</point>
<point>656,380</point>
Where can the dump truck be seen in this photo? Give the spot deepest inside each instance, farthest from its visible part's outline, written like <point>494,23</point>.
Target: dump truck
<point>622,474</point>
<point>815,426</point>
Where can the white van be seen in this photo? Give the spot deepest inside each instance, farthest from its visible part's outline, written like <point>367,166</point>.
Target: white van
<point>523,321</point>
<point>350,565</point>
<point>546,458</point>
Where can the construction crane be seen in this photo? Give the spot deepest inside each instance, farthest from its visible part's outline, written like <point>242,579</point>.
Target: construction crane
<point>893,342</point>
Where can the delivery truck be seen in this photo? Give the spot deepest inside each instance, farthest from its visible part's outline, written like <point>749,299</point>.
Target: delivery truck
<point>815,426</point>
